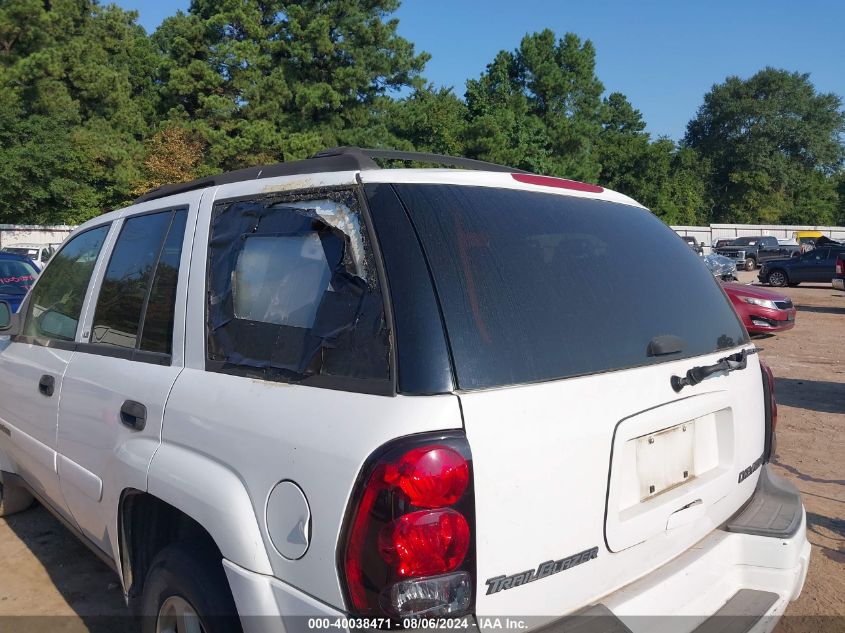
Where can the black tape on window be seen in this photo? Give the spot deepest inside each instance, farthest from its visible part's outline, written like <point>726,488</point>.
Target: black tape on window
<point>348,337</point>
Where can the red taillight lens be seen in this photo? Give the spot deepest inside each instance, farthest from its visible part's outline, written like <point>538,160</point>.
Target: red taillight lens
<point>425,543</point>
<point>408,531</point>
<point>840,267</point>
<point>431,476</point>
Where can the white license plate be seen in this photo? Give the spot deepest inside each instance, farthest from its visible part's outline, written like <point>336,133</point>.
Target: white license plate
<point>665,459</point>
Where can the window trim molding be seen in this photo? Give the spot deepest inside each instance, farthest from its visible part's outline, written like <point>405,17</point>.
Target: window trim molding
<point>96,349</point>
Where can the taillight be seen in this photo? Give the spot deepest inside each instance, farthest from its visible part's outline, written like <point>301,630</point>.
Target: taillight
<point>408,546</point>
<point>771,408</point>
<point>840,266</point>
<point>560,183</point>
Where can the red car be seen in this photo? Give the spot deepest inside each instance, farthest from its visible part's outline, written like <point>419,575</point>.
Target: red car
<point>761,310</point>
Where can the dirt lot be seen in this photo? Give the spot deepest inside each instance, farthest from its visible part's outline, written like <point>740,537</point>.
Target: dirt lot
<point>44,571</point>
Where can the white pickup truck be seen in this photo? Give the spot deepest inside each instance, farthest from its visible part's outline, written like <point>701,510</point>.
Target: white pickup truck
<point>344,396</point>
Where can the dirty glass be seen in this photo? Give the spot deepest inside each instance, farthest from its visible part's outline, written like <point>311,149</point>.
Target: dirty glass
<point>537,286</point>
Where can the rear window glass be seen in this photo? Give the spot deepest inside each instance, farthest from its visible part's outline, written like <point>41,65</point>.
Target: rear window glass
<point>539,286</point>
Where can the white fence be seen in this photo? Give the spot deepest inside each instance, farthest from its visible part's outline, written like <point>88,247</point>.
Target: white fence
<point>12,234</point>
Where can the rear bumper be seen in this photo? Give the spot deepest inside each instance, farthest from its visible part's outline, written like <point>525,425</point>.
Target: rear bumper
<point>718,571</point>
<point>745,574</point>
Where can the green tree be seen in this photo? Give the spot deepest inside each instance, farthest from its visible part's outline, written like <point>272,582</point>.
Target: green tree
<point>77,98</point>
<point>429,120</point>
<point>263,81</point>
<point>538,107</point>
<point>565,93</point>
<point>622,146</point>
<point>774,146</point>
<point>501,126</point>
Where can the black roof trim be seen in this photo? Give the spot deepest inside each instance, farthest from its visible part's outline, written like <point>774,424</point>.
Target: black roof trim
<point>335,159</point>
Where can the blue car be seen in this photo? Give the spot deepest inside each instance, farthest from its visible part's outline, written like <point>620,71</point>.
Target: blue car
<point>17,274</point>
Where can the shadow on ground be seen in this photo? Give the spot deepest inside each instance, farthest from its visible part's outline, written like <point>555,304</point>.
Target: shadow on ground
<point>88,586</point>
<point>830,529</point>
<point>821,309</point>
<point>803,477</point>
<point>815,395</point>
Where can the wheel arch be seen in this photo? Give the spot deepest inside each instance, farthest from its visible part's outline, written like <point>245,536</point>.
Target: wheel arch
<point>189,496</point>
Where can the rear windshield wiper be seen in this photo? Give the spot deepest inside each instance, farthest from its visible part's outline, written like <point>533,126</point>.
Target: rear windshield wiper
<point>726,364</point>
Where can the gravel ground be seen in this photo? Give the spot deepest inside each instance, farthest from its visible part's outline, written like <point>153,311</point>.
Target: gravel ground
<point>46,572</point>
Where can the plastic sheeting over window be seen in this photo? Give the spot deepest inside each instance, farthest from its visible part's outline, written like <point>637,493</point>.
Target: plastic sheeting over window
<point>293,294</point>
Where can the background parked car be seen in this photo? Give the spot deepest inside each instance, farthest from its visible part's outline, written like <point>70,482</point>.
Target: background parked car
<point>17,274</point>
<point>761,310</point>
<point>697,246</point>
<point>806,239</point>
<point>751,252</point>
<point>39,254</point>
<point>839,272</point>
<point>816,266</point>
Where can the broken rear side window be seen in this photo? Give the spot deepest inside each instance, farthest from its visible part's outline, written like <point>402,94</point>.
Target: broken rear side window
<point>293,292</point>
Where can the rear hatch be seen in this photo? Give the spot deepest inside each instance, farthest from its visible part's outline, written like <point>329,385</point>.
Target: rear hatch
<point>590,470</point>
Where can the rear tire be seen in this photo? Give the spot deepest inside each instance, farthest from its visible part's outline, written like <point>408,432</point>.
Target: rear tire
<point>777,278</point>
<point>13,499</point>
<point>186,587</point>
<point>750,263</point>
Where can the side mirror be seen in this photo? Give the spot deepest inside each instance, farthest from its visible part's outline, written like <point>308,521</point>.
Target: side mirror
<point>10,321</point>
<point>5,316</point>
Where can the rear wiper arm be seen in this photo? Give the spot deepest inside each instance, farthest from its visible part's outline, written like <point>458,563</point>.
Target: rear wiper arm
<point>726,364</point>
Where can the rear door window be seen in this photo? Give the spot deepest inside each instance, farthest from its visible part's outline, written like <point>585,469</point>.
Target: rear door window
<point>140,283</point>
<point>538,286</point>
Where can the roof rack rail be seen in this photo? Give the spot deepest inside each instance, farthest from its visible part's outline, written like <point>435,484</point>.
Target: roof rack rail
<point>334,159</point>
<point>420,157</point>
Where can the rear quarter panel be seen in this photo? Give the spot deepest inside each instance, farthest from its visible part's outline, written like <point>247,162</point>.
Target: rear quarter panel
<point>261,433</point>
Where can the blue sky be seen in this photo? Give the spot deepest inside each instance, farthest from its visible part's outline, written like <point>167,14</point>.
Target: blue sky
<point>664,55</point>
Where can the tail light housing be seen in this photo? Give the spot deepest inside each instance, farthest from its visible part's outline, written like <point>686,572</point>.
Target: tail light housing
<point>840,266</point>
<point>771,408</point>
<point>407,546</point>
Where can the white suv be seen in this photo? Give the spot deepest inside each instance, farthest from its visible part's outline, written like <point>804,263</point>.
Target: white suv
<point>324,390</point>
